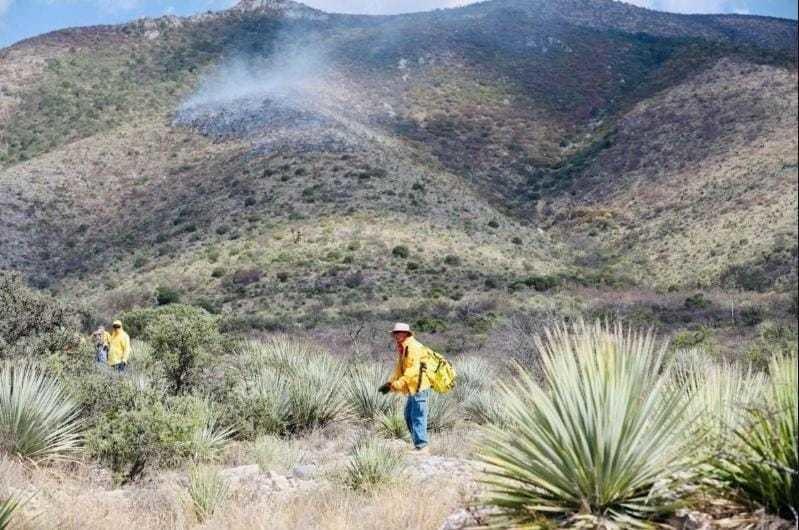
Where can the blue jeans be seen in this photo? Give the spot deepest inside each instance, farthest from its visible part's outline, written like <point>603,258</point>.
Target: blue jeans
<point>416,417</point>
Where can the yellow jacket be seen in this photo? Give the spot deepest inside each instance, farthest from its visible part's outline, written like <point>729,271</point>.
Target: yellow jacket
<point>118,347</point>
<point>405,379</point>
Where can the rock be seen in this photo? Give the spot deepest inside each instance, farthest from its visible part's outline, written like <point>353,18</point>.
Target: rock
<point>305,471</point>
<point>237,474</point>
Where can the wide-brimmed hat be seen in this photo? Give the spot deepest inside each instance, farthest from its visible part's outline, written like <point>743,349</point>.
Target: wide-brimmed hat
<point>401,327</point>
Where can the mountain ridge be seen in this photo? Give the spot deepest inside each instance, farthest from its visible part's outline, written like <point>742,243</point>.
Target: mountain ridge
<point>517,143</point>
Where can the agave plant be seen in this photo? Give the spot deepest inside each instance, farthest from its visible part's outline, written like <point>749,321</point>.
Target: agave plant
<point>391,424</point>
<point>766,466</point>
<point>599,441</point>
<point>38,420</point>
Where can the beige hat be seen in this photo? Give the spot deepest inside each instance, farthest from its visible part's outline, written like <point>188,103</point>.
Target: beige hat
<point>117,323</point>
<point>401,326</point>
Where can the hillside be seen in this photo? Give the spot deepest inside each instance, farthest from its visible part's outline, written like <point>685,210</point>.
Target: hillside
<point>298,166</point>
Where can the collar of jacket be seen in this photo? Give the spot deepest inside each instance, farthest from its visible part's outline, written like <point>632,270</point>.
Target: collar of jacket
<point>407,342</point>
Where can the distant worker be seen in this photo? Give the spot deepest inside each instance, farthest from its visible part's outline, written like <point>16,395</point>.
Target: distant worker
<point>101,339</point>
<point>409,379</point>
<point>119,348</point>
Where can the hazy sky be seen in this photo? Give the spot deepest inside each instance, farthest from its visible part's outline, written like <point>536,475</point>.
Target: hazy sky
<point>20,19</point>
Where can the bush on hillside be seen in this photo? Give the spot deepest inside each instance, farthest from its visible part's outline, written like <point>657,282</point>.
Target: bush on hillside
<point>137,320</point>
<point>32,324</point>
<point>600,441</point>
<point>154,434</point>
<point>166,296</point>
<point>182,346</point>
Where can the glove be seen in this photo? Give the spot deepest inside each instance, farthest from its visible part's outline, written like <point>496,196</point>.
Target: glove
<point>385,389</point>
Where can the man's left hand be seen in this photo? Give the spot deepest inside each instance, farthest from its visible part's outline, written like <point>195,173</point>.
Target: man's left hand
<point>385,389</point>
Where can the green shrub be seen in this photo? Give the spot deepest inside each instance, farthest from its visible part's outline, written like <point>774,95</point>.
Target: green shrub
<point>38,420</point>
<point>155,434</point>
<point>600,439</point>
<point>207,491</point>
<point>31,324</point>
<point>430,325</point>
<point>697,301</point>
<point>400,251</point>
<point>372,464</point>
<point>218,272</point>
<point>765,469</point>
<point>181,345</point>
<point>166,296</point>
<point>452,260</point>
<point>362,384</point>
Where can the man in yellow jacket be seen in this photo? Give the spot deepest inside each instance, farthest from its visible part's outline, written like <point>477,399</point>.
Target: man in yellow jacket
<point>118,348</point>
<point>409,379</point>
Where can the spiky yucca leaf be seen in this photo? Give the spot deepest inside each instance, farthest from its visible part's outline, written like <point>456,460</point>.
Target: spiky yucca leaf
<point>7,509</point>
<point>362,383</point>
<point>38,420</point>
<point>766,467</point>
<point>720,394</point>
<point>208,490</point>
<point>601,439</point>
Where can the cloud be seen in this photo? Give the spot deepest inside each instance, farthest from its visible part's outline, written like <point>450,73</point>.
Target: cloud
<point>4,5</point>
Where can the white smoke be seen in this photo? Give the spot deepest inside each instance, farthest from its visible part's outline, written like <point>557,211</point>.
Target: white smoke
<point>288,72</point>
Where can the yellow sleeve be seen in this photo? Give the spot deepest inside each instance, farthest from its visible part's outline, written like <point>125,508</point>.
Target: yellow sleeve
<point>410,371</point>
<point>106,338</point>
<point>397,373</point>
<point>125,348</point>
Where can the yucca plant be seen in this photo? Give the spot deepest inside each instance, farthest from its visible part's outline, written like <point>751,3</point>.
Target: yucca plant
<point>391,424</point>
<point>371,464</point>
<point>210,438</point>
<point>443,412</point>
<point>7,509</point>
<point>765,467</point>
<point>362,384</point>
<point>207,491</point>
<point>285,387</point>
<point>719,394</point>
<point>599,441</point>
<point>484,407</point>
<point>38,420</point>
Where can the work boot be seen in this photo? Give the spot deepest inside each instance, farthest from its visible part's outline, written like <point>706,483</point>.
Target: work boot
<point>422,451</point>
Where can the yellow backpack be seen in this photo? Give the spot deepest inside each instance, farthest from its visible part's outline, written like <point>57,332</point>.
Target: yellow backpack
<point>439,371</point>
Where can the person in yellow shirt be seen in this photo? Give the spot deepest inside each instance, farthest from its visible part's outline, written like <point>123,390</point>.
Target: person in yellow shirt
<point>118,348</point>
<point>409,379</point>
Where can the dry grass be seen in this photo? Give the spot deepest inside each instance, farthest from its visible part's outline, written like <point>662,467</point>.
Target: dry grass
<point>338,509</point>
